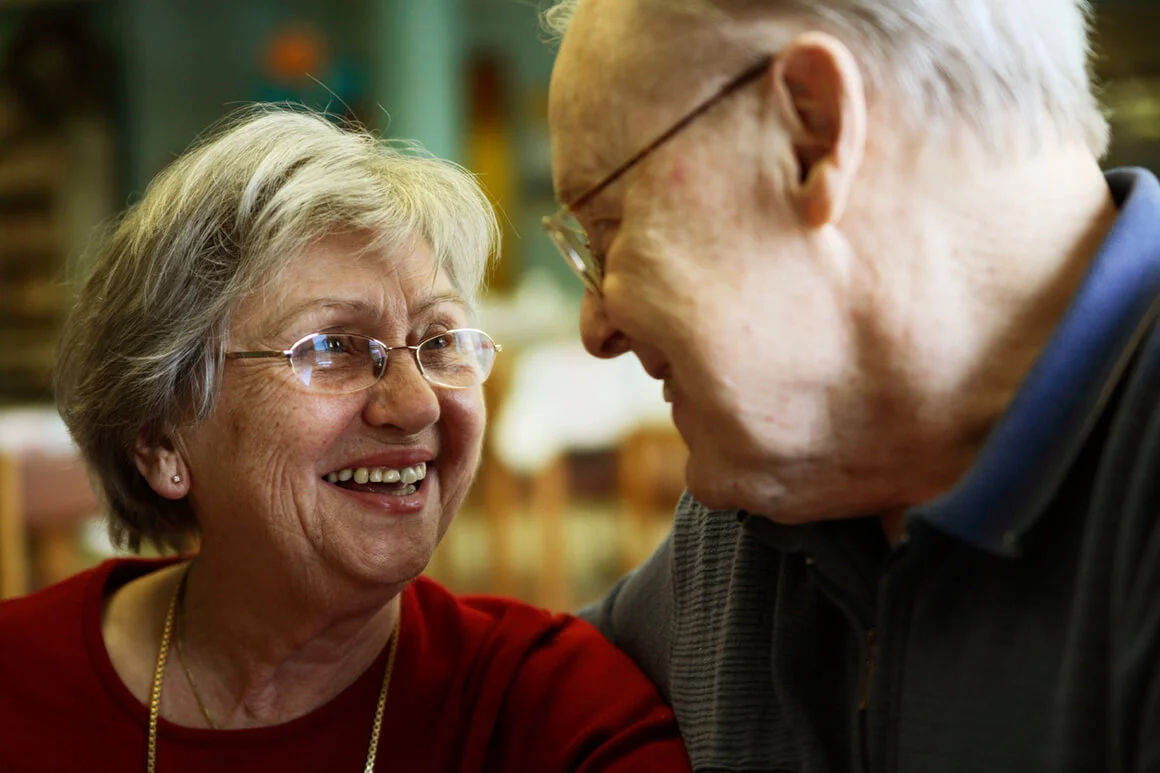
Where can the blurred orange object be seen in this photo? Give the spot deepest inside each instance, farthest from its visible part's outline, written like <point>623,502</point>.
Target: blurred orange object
<point>651,478</point>
<point>295,53</point>
<point>44,498</point>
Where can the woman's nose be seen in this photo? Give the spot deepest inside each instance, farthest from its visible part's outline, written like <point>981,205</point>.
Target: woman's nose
<point>402,398</point>
<point>601,338</point>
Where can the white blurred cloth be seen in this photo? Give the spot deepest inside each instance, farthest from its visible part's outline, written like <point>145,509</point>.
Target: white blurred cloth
<point>562,399</point>
<point>38,429</point>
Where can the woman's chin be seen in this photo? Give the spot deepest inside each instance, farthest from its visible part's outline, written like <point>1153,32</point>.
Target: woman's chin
<point>393,567</point>
<point>388,553</point>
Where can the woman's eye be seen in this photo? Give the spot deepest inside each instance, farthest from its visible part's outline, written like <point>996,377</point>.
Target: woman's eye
<point>437,329</point>
<point>439,341</point>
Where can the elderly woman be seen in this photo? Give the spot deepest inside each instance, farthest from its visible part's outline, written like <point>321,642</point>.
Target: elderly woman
<point>273,356</point>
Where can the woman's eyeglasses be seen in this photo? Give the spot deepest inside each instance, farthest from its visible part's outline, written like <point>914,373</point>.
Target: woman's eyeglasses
<point>341,363</point>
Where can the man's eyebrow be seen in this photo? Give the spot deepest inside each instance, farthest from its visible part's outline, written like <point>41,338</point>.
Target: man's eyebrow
<point>579,186</point>
<point>565,196</point>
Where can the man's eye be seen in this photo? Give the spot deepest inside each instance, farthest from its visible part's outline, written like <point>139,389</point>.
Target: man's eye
<point>600,236</point>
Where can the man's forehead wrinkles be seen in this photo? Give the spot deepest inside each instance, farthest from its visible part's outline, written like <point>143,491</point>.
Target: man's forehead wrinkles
<point>609,98</point>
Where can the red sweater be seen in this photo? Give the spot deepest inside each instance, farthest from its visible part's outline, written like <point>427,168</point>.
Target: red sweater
<point>480,684</point>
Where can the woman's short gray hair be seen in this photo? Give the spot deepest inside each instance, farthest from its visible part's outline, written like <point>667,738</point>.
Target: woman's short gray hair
<point>142,350</point>
<point>948,63</point>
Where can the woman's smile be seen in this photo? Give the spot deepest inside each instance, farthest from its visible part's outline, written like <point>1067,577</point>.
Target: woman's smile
<point>386,499</point>
<point>390,488</point>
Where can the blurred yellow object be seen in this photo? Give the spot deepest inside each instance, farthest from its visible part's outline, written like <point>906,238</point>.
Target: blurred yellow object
<point>45,499</point>
<point>491,157</point>
<point>13,560</point>
<point>650,478</point>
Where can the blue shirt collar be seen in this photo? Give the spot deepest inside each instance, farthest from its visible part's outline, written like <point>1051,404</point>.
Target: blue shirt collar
<point>1029,451</point>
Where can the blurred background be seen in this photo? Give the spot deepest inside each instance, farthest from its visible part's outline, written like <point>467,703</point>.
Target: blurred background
<point>96,96</point>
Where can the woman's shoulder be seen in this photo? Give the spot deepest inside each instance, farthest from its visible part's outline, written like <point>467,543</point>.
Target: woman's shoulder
<point>48,637</point>
<point>38,614</point>
<point>559,692</point>
<point>480,618</point>
<point>55,621</point>
<point>521,640</point>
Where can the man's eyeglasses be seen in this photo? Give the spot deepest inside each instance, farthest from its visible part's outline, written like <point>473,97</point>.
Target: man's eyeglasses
<point>341,363</point>
<point>566,232</point>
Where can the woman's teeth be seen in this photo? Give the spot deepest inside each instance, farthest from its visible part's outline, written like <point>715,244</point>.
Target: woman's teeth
<point>403,475</point>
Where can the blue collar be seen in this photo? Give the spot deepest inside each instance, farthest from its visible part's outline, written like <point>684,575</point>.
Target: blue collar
<point>1029,451</point>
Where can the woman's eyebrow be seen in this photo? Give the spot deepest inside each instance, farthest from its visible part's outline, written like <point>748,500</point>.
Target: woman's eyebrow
<point>360,308</point>
<point>431,301</point>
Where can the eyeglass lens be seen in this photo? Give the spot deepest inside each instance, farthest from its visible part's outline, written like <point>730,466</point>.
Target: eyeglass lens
<point>340,363</point>
<point>572,243</point>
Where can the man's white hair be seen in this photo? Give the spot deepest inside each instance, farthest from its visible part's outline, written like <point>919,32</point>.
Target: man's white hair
<point>985,63</point>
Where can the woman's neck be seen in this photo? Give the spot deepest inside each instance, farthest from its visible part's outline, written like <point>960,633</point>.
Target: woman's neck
<point>262,648</point>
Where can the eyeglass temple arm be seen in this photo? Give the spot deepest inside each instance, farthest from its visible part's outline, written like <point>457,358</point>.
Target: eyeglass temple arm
<point>736,83</point>
<point>268,355</point>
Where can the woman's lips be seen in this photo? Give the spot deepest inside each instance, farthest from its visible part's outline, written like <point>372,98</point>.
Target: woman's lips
<point>406,495</point>
<point>397,475</point>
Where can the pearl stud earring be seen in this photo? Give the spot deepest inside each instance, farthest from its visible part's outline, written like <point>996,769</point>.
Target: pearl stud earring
<point>176,479</point>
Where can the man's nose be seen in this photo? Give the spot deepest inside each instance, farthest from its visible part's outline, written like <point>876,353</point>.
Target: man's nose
<point>601,338</point>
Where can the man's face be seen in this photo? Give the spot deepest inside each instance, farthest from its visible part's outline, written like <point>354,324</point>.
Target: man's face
<point>712,279</point>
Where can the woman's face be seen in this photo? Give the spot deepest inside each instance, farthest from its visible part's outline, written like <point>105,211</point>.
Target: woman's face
<point>258,466</point>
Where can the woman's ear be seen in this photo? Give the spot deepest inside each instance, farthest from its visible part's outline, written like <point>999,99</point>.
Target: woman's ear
<point>818,89</point>
<point>162,466</point>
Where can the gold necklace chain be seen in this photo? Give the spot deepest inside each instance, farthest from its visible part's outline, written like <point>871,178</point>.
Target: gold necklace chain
<point>177,635</point>
<point>163,657</point>
<point>192,684</point>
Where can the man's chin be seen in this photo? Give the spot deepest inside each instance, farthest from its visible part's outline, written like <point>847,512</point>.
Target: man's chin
<point>723,486</point>
<point>718,486</point>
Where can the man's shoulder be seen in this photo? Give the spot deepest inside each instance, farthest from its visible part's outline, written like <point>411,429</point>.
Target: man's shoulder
<point>1129,451</point>
<point>704,535</point>
<point>713,549</point>
<point>1128,492</point>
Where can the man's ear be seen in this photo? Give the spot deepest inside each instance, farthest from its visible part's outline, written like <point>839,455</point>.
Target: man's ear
<point>162,466</point>
<point>818,89</point>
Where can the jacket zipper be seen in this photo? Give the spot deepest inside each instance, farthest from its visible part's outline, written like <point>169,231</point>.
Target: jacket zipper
<point>864,703</point>
<point>870,639</point>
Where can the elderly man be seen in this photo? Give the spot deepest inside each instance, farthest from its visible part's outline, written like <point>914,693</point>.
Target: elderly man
<point>908,330</point>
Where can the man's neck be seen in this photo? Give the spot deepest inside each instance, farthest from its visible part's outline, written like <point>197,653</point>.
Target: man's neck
<point>994,253</point>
